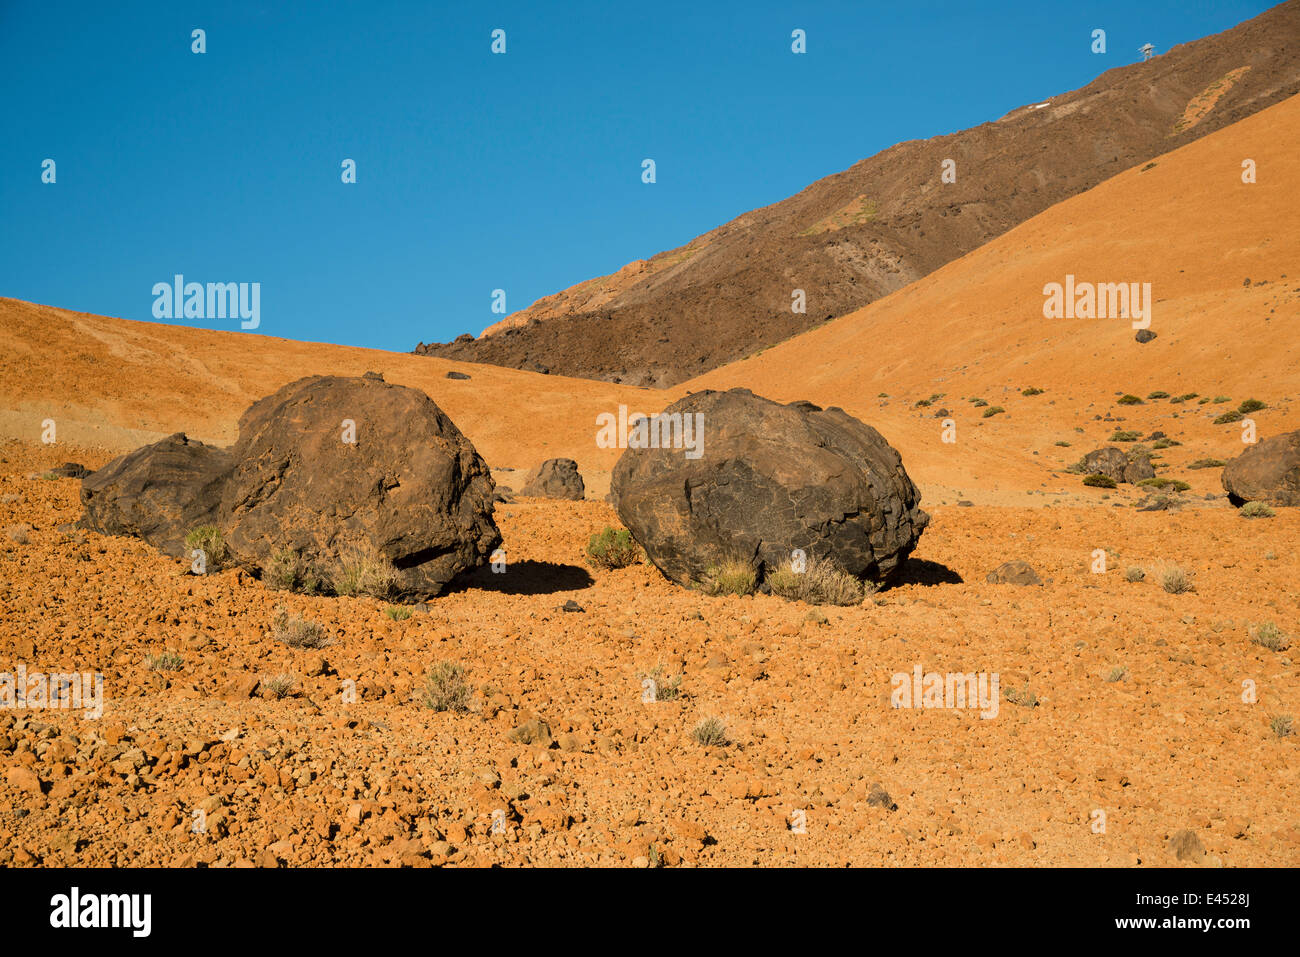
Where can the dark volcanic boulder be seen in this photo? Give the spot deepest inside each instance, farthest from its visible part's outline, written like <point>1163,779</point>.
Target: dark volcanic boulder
<point>1268,471</point>
<point>1115,464</point>
<point>157,493</point>
<point>555,478</point>
<point>739,476</point>
<point>338,470</point>
<point>410,489</point>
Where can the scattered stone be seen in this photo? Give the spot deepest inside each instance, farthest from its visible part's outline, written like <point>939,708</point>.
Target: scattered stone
<point>1144,335</point>
<point>69,470</point>
<point>453,374</point>
<point>879,797</point>
<point>535,732</point>
<point>1014,573</point>
<point>555,478</point>
<point>1115,464</point>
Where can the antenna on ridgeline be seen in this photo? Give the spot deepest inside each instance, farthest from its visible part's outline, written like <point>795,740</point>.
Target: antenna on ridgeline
<point>1147,51</point>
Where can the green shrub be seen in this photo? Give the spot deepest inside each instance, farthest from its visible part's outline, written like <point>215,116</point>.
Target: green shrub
<point>666,687</point>
<point>1097,480</point>
<point>285,570</point>
<point>278,686</point>
<point>1270,636</point>
<point>1130,399</point>
<point>1251,405</point>
<point>993,410</point>
<point>610,548</point>
<point>1026,698</point>
<point>209,540</point>
<point>1125,435</point>
<point>1207,464</point>
<point>362,571</point>
<point>445,688</point>
<point>979,403</point>
<point>1033,390</point>
<point>1175,580</point>
<point>1281,726</point>
<point>734,576</point>
<point>1134,574</point>
<point>1118,673</point>
<point>821,583</point>
<point>398,612</point>
<point>1256,510</point>
<point>297,632</point>
<point>1157,395</point>
<point>1063,444</point>
<point>1185,397</point>
<point>1162,483</point>
<point>167,661</point>
<point>1232,416</point>
<point>710,732</point>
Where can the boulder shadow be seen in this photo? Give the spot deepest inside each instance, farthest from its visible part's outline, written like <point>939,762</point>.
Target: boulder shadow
<point>524,578</point>
<point>921,571</point>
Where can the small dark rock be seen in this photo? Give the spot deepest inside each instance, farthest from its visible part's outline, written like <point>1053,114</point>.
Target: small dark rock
<point>69,470</point>
<point>1144,335</point>
<point>879,797</point>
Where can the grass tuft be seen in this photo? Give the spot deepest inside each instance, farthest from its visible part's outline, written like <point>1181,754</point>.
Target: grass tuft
<point>710,732</point>
<point>445,688</point>
<point>612,548</point>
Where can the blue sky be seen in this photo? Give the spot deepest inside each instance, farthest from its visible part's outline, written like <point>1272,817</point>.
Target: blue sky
<point>475,171</point>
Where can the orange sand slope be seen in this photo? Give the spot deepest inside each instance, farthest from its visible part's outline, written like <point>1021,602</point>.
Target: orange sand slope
<point>1223,260</point>
<point>117,384</point>
<point>1187,225</point>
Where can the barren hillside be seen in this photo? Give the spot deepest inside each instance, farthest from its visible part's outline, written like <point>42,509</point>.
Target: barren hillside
<point>856,236</point>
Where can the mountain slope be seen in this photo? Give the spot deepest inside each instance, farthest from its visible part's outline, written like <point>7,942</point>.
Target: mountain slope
<point>856,236</point>
<point>1223,261</point>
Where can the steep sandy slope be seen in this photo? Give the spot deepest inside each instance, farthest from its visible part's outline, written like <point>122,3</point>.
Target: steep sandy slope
<point>1223,260</point>
<point>116,384</point>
